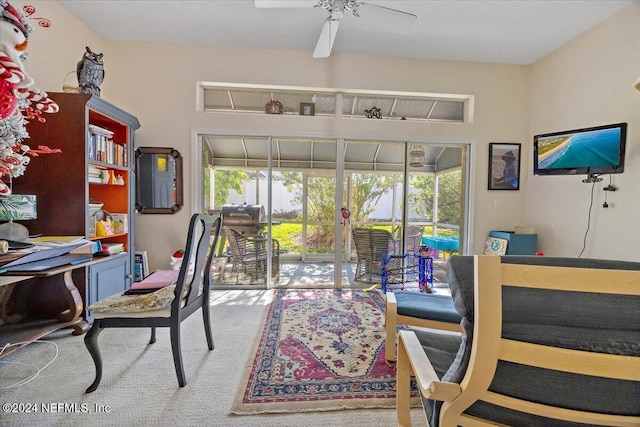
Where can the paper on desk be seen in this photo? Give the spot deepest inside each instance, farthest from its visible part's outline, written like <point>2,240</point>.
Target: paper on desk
<point>77,244</point>
<point>56,240</point>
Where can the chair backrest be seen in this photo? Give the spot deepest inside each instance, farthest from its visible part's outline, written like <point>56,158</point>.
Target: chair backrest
<point>236,242</point>
<point>240,244</point>
<point>546,339</point>
<point>195,272</point>
<point>414,237</point>
<point>374,243</point>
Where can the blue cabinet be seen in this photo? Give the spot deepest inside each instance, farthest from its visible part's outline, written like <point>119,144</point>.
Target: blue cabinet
<point>108,278</point>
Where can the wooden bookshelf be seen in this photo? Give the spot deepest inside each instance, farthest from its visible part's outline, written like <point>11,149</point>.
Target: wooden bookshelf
<point>61,181</point>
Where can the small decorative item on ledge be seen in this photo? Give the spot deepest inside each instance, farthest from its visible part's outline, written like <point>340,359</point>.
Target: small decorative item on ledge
<point>307,109</point>
<point>374,112</point>
<point>70,83</point>
<point>274,107</point>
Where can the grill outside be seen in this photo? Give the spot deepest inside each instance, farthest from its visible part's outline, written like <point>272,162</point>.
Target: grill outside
<point>246,219</point>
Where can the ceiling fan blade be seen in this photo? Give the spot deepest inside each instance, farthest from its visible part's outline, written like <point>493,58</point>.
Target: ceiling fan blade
<point>394,20</point>
<point>286,3</point>
<point>326,39</point>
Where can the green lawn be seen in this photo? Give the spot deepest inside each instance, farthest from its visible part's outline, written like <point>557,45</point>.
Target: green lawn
<point>288,235</point>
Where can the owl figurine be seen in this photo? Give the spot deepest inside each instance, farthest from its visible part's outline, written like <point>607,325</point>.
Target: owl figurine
<point>90,72</point>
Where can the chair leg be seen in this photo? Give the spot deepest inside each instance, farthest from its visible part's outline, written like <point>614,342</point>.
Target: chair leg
<point>206,319</point>
<point>177,353</point>
<point>91,342</point>
<point>153,335</point>
<point>403,387</point>
<point>390,320</point>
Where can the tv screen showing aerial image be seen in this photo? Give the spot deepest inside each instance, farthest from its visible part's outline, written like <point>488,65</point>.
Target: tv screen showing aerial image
<point>596,148</point>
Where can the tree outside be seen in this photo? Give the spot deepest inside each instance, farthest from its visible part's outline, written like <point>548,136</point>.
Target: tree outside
<point>421,199</point>
<point>366,191</point>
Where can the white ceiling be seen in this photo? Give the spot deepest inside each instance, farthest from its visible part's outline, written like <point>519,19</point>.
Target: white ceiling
<point>499,31</point>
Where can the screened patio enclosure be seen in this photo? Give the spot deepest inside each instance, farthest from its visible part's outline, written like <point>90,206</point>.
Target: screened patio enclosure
<point>305,184</point>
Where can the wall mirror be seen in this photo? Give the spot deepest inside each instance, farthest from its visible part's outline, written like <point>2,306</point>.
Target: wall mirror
<point>158,180</point>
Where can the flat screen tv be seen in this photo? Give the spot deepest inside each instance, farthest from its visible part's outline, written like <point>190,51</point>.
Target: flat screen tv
<point>591,151</point>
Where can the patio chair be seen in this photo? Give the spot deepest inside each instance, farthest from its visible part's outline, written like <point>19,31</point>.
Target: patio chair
<point>249,256</point>
<point>547,341</point>
<point>166,307</point>
<point>414,238</point>
<point>372,247</point>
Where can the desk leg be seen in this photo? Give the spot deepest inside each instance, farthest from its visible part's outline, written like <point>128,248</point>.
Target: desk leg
<point>5,315</point>
<point>74,300</point>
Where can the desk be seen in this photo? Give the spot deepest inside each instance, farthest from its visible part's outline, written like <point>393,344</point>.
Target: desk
<point>21,305</point>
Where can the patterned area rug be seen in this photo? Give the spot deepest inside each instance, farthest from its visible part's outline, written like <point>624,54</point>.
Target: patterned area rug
<point>320,350</point>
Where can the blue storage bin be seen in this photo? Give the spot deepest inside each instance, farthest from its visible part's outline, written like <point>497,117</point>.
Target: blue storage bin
<point>519,244</point>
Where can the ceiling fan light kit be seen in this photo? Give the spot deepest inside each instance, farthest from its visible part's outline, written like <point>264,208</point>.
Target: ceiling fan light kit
<point>382,18</point>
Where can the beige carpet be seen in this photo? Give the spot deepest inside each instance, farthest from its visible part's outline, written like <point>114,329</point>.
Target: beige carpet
<point>139,385</point>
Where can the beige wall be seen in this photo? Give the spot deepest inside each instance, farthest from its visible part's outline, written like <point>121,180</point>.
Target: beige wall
<point>589,82</point>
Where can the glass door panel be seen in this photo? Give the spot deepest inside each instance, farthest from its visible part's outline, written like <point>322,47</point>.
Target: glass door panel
<point>303,195</point>
<point>320,214</point>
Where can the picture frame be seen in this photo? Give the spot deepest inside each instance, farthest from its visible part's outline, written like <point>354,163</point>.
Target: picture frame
<point>307,109</point>
<point>504,166</point>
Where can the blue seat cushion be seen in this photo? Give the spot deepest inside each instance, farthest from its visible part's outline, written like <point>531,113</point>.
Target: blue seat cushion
<point>427,306</point>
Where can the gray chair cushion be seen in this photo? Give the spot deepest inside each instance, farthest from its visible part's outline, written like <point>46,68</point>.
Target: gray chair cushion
<point>427,306</point>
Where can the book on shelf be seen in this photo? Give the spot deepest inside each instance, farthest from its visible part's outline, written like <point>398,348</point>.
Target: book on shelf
<point>113,248</point>
<point>97,130</point>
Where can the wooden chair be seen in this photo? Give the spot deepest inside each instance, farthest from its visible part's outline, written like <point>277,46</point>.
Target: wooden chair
<point>372,247</point>
<point>547,341</point>
<point>167,307</point>
<point>249,255</point>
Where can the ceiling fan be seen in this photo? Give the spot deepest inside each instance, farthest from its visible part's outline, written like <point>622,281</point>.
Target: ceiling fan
<point>384,17</point>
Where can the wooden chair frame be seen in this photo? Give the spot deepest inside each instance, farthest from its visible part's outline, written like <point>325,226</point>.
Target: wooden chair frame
<point>191,293</point>
<point>488,347</point>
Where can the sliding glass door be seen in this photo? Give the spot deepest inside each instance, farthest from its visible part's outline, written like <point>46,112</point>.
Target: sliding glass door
<point>303,183</point>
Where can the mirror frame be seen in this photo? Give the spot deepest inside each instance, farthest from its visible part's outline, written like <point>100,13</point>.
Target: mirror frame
<point>141,151</point>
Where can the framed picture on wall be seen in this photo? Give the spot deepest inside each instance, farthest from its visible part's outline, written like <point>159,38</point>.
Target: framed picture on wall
<point>504,166</point>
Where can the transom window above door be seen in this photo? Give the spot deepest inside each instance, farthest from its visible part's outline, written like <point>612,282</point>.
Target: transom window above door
<point>349,104</point>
